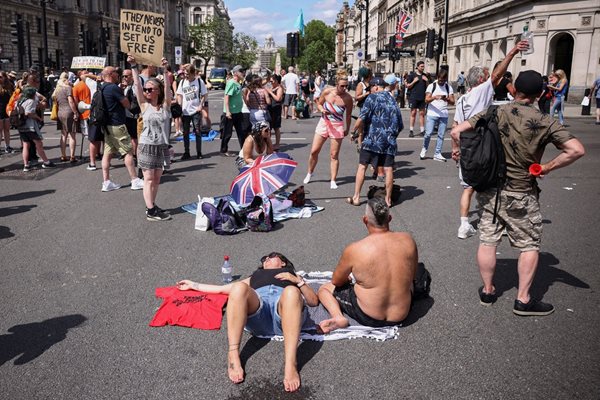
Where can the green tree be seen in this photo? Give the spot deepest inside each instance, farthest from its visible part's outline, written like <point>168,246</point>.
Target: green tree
<point>205,38</point>
<point>244,50</point>
<point>318,31</point>
<point>313,59</point>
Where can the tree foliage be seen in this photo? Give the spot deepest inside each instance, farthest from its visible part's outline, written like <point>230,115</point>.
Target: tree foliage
<point>204,38</point>
<point>243,51</point>
<point>317,47</point>
<point>313,59</point>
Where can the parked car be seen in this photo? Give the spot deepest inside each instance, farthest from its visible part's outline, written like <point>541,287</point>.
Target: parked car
<point>218,78</point>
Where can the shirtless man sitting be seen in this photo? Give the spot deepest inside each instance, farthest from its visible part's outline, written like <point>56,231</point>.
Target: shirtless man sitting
<point>383,265</point>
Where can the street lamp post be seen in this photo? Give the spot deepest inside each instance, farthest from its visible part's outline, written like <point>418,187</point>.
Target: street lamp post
<point>179,8</point>
<point>365,7</point>
<point>45,31</point>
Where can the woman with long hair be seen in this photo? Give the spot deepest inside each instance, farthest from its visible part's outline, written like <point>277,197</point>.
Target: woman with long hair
<point>560,91</point>
<point>6,91</point>
<point>361,93</point>
<point>270,302</point>
<point>258,100</point>
<point>153,149</point>
<point>334,104</point>
<point>276,93</point>
<point>67,115</point>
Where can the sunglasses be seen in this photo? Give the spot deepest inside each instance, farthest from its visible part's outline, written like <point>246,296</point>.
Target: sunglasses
<point>344,86</point>
<point>148,90</point>
<point>269,256</point>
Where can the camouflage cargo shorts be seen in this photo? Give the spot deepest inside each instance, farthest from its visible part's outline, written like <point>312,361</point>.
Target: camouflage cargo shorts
<point>518,213</point>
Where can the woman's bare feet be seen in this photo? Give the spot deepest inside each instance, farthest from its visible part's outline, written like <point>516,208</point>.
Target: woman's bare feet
<point>332,324</point>
<point>234,367</point>
<point>291,379</point>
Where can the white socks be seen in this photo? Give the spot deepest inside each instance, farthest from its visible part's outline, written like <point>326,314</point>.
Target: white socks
<point>307,178</point>
<point>464,221</point>
<point>333,185</point>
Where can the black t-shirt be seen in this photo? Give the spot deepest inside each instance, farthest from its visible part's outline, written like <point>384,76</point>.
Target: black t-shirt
<point>417,92</point>
<point>264,277</point>
<point>501,91</point>
<point>113,96</point>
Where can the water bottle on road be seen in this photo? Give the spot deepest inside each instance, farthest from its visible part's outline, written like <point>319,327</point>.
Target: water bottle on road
<point>226,270</point>
<point>527,35</point>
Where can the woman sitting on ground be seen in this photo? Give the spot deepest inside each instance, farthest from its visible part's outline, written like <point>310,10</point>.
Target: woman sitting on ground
<point>270,302</point>
<point>256,144</point>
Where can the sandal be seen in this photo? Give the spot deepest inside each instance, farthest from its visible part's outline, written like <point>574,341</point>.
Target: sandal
<point>350,201</point>
<point>64,158</point>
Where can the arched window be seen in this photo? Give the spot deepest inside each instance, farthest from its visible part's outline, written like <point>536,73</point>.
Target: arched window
<point>197,18</point>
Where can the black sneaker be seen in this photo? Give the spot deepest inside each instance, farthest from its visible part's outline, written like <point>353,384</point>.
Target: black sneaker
<point>534,307</point>
<point>186,156</point>
<point>487,299</point>
<point>48,164</point>
<point>155,214</point>
<point>411,134</point>
<point>160,209</point>
<point>199,156</point>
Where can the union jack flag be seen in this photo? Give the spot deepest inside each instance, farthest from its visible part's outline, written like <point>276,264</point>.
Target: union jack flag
<point>403,21</point>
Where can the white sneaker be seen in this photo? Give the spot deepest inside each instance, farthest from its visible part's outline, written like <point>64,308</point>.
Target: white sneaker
<point>178,133</point>
<point>333,185</point>
<point>137,184</point>
<point>439,157</point>
<point>107,186</point>
<point>465,231</point>
<point>307,178</point>
<point>422,154</point>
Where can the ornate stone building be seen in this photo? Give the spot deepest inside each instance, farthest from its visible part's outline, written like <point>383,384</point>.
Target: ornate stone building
<point>265,54</point>
<point>77,27</point>
<point>198,12</point>
<point>480,32</point>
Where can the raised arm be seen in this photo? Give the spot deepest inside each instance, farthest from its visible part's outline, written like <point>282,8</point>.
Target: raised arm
<point>168,77</point>
<point>137,88</point>
<point>501,69</point>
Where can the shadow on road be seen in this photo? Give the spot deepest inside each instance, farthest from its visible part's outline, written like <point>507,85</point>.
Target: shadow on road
<point>547,274</point>
<point>5,232</point>
<point>30,341</point>
<point>6,211</point>
<point>26,195</point>
<point>419,309</point>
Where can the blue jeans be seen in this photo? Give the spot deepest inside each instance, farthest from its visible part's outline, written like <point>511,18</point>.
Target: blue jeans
<point>266,321</point>
<point>558,104</point>
<point>429,125</point>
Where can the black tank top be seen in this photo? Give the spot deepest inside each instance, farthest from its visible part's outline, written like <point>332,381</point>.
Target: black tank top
<point>264,277</point>
<point>501,91</point>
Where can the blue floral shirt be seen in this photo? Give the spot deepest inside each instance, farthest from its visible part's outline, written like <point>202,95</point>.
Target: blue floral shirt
<point>382,123</point>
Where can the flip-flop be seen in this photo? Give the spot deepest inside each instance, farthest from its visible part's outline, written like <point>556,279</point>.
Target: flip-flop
<point>350,201</point>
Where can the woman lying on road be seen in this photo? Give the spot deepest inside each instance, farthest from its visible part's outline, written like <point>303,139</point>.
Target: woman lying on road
<point>270,302</point>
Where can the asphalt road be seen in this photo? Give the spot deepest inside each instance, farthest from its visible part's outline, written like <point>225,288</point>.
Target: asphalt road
<point>79,268</point>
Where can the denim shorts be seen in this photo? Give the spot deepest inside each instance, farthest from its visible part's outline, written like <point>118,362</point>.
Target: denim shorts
<point>266,321</point>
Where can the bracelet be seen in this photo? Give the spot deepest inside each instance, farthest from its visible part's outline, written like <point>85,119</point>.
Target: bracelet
<point>301,283</point>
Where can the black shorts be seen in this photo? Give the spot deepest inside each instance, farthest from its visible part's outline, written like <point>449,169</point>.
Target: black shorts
<point>346,298</point>
<point>131,124</point>
<point>418,104</point>
<point>367,157</point>
<point>95,133</point>
<point>597,102</point>
<point>29,136</point>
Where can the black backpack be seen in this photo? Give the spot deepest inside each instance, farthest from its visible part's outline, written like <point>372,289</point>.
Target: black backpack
<point>98,110</point>
<point>17,116</point>
<point>482,159</point>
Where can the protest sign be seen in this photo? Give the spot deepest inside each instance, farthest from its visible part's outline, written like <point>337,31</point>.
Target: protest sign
<point>87,62</point>
<point>143,35</point>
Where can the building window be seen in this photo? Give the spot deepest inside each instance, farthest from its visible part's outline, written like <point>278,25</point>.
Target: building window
<point>197,16</point>
<point>38,22</point>
<point>56,29</point>
<point>58,60</point>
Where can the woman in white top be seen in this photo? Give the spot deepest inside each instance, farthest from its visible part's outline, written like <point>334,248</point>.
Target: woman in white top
<point>257,143</point>
<point>153,149</point>
<point>437,95</point>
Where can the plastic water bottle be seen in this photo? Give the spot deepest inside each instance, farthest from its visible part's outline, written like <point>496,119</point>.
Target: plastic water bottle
<point>226,270</point>
<point>527,35</point>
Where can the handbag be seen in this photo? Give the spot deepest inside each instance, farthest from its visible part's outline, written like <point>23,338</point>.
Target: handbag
<point>176,110</point>
<point>54,112</point>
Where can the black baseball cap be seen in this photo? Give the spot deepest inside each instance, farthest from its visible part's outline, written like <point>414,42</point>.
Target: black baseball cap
<point>530,83</point>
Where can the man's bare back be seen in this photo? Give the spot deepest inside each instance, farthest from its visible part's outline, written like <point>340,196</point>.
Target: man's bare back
<point>384,266</point>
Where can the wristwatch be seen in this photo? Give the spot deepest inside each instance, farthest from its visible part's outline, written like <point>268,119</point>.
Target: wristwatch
<point>301,283</point>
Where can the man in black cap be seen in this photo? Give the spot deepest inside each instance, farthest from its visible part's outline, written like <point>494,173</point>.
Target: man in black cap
<point>524,132</point>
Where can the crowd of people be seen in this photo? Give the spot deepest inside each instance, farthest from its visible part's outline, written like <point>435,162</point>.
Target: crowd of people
<point>373,280</point>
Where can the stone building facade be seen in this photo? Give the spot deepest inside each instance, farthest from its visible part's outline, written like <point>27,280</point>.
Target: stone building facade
<point>481,32</point>
<point>77,28</point>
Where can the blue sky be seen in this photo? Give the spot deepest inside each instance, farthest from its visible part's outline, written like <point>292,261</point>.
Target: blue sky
<point>261,17</point>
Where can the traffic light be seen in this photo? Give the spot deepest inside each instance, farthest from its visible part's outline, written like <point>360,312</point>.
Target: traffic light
<point>84,43</point>
<point>18,39</point>
<point>440,44</point>
<point>430,43</point>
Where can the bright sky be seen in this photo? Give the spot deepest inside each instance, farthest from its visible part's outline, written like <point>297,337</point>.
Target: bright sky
<point>261,17</point>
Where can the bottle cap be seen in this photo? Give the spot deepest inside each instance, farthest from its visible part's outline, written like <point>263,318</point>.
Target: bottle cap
<point>535,169</point>
<point>226,258</point>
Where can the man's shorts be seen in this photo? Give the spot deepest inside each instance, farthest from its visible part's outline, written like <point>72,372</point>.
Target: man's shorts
<point>330,129</point>
<point>464,184</point>
<point>518,212</point>
<point>418,104</point>
<point>289,99</point>
<point>367,157</point>
<point>117,140</point>
<point>266,321</point>
<point>346,298</point>
<point>597,102</point>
